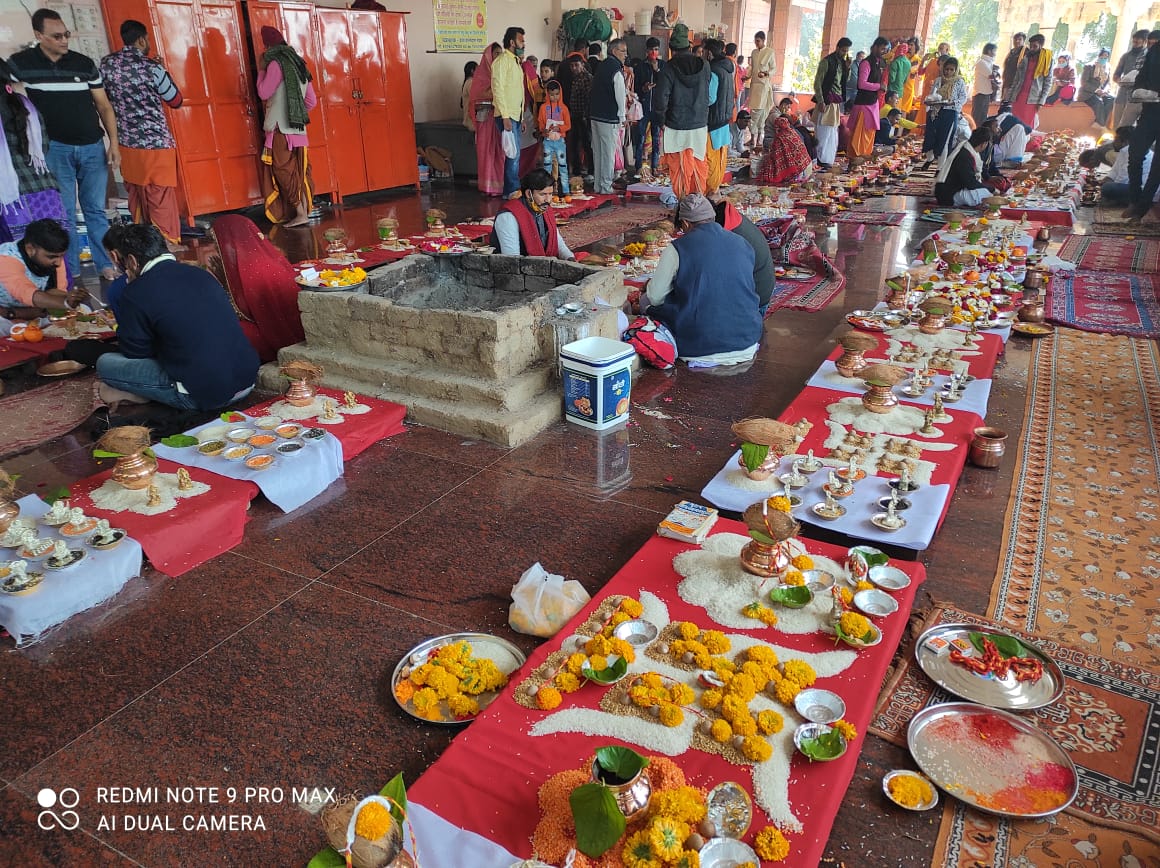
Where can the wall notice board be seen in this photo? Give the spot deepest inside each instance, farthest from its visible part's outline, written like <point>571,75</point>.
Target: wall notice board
<point>460,26</point>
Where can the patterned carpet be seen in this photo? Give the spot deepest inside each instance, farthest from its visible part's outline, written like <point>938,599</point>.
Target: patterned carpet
<point>808,295</point>
<point>30,418</point>
<point>1097,301</point>
<point>1081,557</point>
<point>1109,222</point>
<point>870,218</point>
<point>589,228</point>
<point>1111,254</point>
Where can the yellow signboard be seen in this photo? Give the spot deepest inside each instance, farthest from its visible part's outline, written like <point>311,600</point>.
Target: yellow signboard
<point>460,25</point>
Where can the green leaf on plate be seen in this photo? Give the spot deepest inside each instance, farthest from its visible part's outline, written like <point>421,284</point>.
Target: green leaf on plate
<point>623,762</point>
<point>598,820</point>
<point>1008,646</point>
<point>105,453</point>
<point>396,790</point>
<point>752,454</point>
<point>615,671</point>
<point>177,441</point>
<point>791,595</point>
<point>61,492</point>
<point>826,746</point>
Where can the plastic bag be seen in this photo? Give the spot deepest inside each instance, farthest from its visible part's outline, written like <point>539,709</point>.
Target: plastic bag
<point>511,148</point>
<point>542,603</point>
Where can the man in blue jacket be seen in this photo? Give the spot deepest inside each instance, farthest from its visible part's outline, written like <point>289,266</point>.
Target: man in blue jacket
<point>703,290</point>
<point>179,338</point>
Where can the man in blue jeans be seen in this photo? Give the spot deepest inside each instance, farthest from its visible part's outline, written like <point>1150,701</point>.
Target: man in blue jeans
<point>67,89</point>
<point>508,83</point>
<point>179,338</point>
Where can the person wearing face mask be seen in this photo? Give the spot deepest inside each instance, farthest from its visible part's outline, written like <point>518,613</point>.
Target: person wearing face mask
<point>1124,113</point>
<point>1093,88</point>
<point>646,73</point>
<point>32,273</point>
<point>526,226</point>
<point>508,86</point>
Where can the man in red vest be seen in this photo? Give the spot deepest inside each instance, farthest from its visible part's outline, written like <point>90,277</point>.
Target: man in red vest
<point>526,226</point>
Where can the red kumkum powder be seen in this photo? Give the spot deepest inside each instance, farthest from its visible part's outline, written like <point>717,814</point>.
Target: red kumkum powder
<point>1052,776</point>
<point>994,730</point>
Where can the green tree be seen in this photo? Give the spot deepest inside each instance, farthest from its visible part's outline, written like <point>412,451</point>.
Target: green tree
<point>966,25</point>
<point>1098,34</point>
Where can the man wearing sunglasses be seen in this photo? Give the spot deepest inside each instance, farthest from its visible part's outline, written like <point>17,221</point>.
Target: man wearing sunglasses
<point>67,89</point>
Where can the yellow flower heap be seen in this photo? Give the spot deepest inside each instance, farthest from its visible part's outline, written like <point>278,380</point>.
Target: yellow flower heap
<point>594,657</point>
<point>346,277</point>
<point>453,675</point>
<point>650,691</point>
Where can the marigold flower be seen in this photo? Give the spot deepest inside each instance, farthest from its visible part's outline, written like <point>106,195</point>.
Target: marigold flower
<point>715,641</point>
<point>803,562</point>
<point>566,682</point>
<point>652,680</point>
<point>617,619</point>
<point>623,649</point>
<point>847,596</point>
<point>688,630</point>
<point>854,625</point>
<point>771,844</point>
<point>848,730</point>
<point>745,725</point>
<point>667,837</point>
<point>769,722</point>
<point>762,654</point>
<point>710,699</point>
<point>373,821</point>
<point>404,690</point>
<point>785,691</point>
<point>683,803</point>
<point>631,607</point>
<point>575,663</point>
<point>756,749</point>
<point>793,577</point>
<point>767,616</point>
<point>688,859</point>
<point>598,645</point>
<point>780,503</point>
<point>462,706</point>
<point>640,695</point>
<point>721,731</point>
<point>863,585</point>
<point>733,707</point>
<point>756,673</point>
<point>548,698</point>
<point>682,694</point>
<point>597,662</point>
<point>799,672</point>
<point>741,686</point>
<point>671,715</point>
<point>638,851</point>
<point>678,647</point>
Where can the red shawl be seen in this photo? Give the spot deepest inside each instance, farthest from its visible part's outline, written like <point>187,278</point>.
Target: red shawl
<point>530,243</point>
<point>786,157</point>
<point>260,280</point>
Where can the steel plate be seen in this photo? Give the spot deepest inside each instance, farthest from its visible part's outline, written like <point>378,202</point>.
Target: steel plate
<point>1006,693</point>
<point>990,759</point>
<point>500,651</point>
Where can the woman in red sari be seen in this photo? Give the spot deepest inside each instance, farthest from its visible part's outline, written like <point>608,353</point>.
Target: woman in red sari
<point>488,150</point>
<point>786,160</point>
<point>260,282</point>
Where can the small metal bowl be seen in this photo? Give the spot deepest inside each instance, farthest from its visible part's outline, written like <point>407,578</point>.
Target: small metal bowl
<point>290,449</point>
<point>819,706</point>
<point>637,632</point>
<point>897,773</point>
<point>237,453</point>
<point>729,809</point>
<point>818,580</point>
<point>63,368</point>
<point>888,578</point>
<point>875,603</point>
<point>240,435</point>
<point>267,423</point>
<point>313,435</point>
<point>722,852</point>
<point>813,730</point>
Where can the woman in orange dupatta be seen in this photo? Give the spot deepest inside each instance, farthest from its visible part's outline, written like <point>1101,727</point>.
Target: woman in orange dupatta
<point>488,150</point>
<point>260,282</point>
<point>931,73</point>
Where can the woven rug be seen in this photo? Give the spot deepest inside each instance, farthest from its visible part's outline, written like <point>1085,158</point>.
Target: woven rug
<point>1079,559</point>
<point>1111,254</point>
<point>1109,222</point>
<point>31,418</point>
<point>1108,721</point>
<point>919,188</point>
<point>870,218</point>
<point>807,295</point>
<point>1117,304</point>
<point>606,222</point>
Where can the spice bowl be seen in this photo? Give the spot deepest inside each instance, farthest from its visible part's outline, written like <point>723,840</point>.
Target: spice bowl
<point>637,632</point>
<point>900,774</point>
<point>875,603</point>
<point>818,580</point>
<point>268,423</point>
<point>812,731</point>
<point>240,435</point>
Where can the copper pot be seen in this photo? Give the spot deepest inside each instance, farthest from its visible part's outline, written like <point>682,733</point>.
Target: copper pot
<point>9,510</point>
<point>764,559</point>
<point>932,323</point>
<point>632,797</point>
<point>764,470</point>
<point>987,447</point>
<point>135,471</point>
<point>1032,309</point>
<point>300,393</point>
<point>879,398</point>
<point>850,363</point>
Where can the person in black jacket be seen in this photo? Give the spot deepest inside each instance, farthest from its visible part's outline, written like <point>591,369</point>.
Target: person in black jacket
<point>646,73</point>
<point>764,281</point>
<point>723,96</point>
<point>179,338</point>
<point>681,105</point>
<point>960,180</point>
<point>1146,135</point>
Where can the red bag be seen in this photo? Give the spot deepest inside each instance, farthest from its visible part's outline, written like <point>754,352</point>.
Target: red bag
<point>653,342</point>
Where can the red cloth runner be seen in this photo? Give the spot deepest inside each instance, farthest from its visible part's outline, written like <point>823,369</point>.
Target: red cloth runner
<point>195,531</point>
<point>980,366</point>
<point>475,231</point>
<point>487,780</point>
<point>13,353</point>
<point>357,433</point>
<point>40,348</point>
<point>1054,218</point>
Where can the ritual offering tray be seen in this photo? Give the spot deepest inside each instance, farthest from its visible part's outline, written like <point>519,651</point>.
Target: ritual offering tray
<point>1032,329</point>
<point>63,368</point>
<point>444,246</point>
<point>727,853</point>
<point>1021,687</point>
<point>794,273</point>
<point>867,321</point>
<point>479,665</point>
<point>992,760</point>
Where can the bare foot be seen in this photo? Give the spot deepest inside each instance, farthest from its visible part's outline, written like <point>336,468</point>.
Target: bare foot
<point>296,222</point>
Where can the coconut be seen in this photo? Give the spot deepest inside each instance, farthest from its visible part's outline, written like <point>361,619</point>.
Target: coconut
<point>858,342</point>
<point>883,374</point>
<point>766,432</point>
<point>365,853</point>
<point>774,523</point>
<point>936,303</point>
<point>301,371</point>
<point>125,439</point>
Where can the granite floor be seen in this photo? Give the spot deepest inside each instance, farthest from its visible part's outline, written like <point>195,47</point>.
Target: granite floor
<point>270,665</point>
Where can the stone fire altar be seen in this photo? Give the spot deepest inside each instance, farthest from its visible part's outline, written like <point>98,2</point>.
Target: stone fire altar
<point>466,343</point>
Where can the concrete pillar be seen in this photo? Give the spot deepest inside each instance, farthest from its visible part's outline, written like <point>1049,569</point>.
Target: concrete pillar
<point>907,18</point>
<point>778,36</point>
<point>834,26</point>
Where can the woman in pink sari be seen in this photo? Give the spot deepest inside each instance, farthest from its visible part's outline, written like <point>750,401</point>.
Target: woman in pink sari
<point>260,283</point>
<point>488,150</point>
<point>529,143</point>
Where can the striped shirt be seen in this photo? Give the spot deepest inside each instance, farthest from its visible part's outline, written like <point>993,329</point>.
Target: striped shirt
<point>61,91</point>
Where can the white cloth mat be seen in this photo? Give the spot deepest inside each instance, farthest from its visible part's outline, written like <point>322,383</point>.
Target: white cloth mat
<point>1002,333</point>
<point>64,593</point>
<point>443,845</point>
<point>291,482</point>
<point>975,395</point>
<point>921,519</point>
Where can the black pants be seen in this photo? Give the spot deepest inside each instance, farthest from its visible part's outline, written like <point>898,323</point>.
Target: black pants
<point>1101,108</point>
<point>1145,134</point>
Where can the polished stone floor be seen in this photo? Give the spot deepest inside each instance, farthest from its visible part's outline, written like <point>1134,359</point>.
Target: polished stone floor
<point>270,665</point>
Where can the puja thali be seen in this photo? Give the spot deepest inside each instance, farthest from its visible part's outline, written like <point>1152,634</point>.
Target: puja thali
<point>933,653</point>
<point>1032,329</point>
<point>992,760</point>
<point>483,646</point>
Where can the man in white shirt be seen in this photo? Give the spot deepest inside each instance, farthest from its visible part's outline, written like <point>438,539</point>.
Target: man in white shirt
<point>986,84</point>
